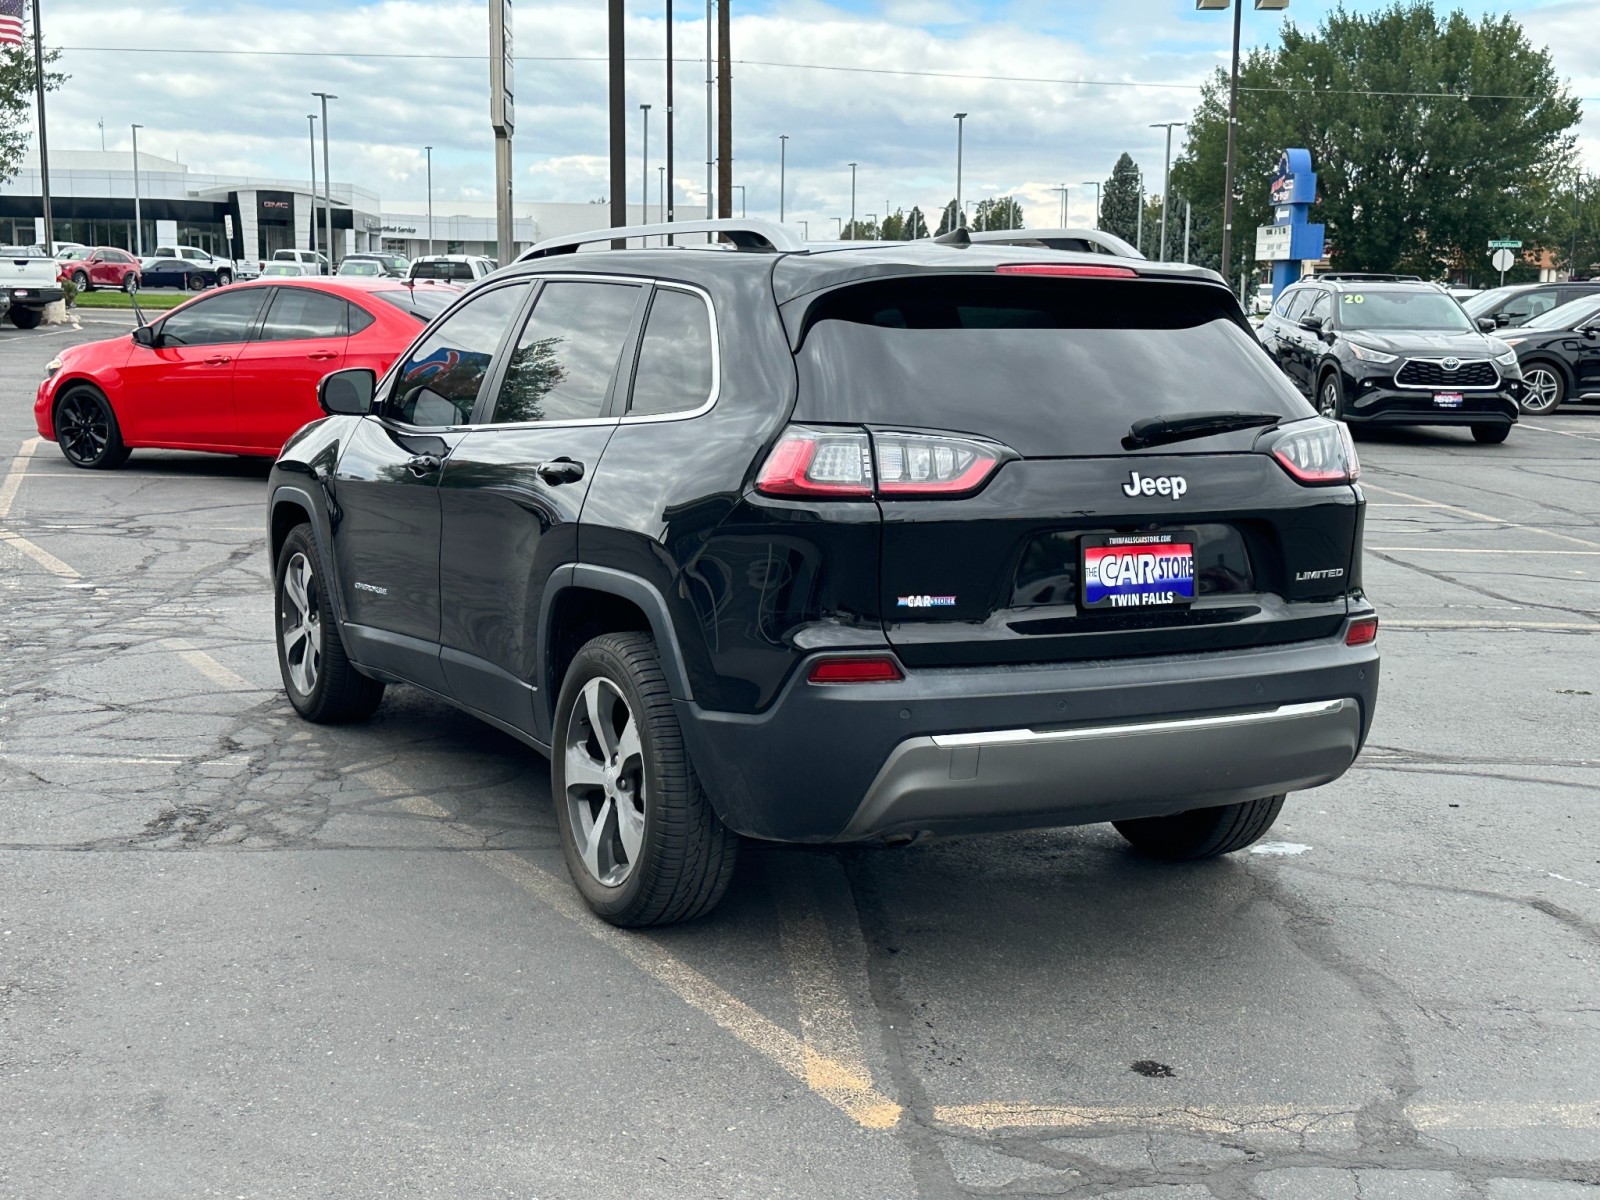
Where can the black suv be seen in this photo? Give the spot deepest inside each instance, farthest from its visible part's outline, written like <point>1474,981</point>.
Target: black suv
<point>1518,303</point>
<point>1387,351</point>
<point>1560,355</point>
<point>840,545</point>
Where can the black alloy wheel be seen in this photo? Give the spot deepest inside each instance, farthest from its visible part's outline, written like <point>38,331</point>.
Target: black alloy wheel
<point>87,432</point>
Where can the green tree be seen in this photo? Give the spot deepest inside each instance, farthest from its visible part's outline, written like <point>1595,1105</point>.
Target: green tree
<point>947,219</point>
<point>916,225</point>
<point>1430,135</point>
<point>860,231</point>
<point>16,103</point>
<point>1001,213</point>
<point>893,228</point>
<point>1119,199</point>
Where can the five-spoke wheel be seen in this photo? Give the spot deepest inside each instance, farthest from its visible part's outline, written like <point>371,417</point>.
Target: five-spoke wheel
<point>321,681</point>
<point>605,776</point>
<point>1543,388</point>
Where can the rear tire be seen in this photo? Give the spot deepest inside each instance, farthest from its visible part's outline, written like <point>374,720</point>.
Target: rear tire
<point>224,278</point>
<point>1202,832</point>
<point>26,318</point>
<point>130,282</point>
<point>641,840</point>
<point>321,682</point>
<point>87,430</point>
<point>195,283</point>
<point>1544,388</point>
<point>1490,435</point>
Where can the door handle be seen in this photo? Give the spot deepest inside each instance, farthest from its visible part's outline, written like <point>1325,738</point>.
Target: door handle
<point>560,470</point>
<point>321,355</point>
<point>423,464</point>
<point>219,360</point>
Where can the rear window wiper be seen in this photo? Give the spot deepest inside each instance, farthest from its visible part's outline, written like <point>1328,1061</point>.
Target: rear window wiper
<point>1158,431</point>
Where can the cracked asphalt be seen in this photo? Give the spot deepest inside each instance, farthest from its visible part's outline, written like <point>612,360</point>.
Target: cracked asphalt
<point>244,956</point>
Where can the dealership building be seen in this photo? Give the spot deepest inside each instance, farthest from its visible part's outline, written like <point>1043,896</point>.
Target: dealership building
<point>92,201</point>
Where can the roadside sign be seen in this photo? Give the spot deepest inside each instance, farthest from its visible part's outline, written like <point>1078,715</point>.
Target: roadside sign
<point>1502,260</point>
<point>1505,244</point>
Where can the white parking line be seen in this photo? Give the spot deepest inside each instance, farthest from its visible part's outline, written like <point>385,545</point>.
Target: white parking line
<point>1465,550</point>
<point>1485,517</point>
<point>1588,437</point>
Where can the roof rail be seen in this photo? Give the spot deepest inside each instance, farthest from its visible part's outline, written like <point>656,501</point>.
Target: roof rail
<point>761,236</point>
<point>1347,276</point>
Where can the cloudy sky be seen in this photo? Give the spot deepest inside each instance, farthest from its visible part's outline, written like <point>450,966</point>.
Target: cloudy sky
<point>1056,90</point>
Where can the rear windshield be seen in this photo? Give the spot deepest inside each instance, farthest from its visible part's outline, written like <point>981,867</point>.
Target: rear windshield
<point>1049,367</point>
<point>441,270</point>
<point>424,303</point>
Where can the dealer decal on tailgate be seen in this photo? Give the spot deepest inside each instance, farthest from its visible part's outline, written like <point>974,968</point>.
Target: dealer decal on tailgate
<point>1138,570</point>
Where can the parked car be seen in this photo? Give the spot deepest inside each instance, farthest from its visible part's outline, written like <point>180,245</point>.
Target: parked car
<point>227,270</point>
<point>453,268</point>
<point>1559,352</point>
<point>234,371</point>
<point>1387,351</point>
<point>58,249</point>
<point>102,266</point>
<point>362,262</point>
<point>282,270</point>
<point>315,262</point>
<point>31,280</point>
<point>876,541</point>
<point>1518,304</point>
<point>179,273</point>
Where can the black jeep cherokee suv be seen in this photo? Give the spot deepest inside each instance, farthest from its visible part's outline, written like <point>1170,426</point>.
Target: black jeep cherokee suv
<point>838,545</point>
<point>1387,351</point>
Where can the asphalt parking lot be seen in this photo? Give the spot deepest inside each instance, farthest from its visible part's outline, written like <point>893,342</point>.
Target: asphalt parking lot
<point>244,956</point>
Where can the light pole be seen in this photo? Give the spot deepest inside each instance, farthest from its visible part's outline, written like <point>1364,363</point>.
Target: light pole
<point>872,220</point>
<point>667,170</point>
<point>138,225</point>
<point>739,187</point>
<point>1166,179</point>
<point>327,179</point>
<point>644,183</point>
<point>1063,190</point>
<point>783,156</point>
<point>1233,115</point>
<point>852,202</point>
<point>311,126</point>
<point>961,124</point>
<point>661,193</point>
<point>805,230</point>
<point>1096,184</point>
<point>429,149</point>
<point>711,117</point>
<point>840,231</point>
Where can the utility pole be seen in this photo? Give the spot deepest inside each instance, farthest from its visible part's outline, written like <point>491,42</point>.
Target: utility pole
<point>102,124</point>
<point>783,155</point>
<point>852,202</point>
<point>961,123</point>
<point>429,149</point>
<point>724,110</point>
<point>1233,129</point>
<point>711,118</point>
<point>502,119</point>
<point>619,119</point>
<point>1166,178</point>
<point>1096,184</point>
<point>1063,190</point>
<point>1138,236</point>
<point>644,178</point>
<point>668,168</point>
<point>327,179</point>
<point>44,145</point>
<point>739,187</point>
<point>1188,211</point>
<point>311,124</point>
<point>138,225</point>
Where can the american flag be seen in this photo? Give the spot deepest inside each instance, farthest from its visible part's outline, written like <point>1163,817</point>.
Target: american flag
<point>10,22</point>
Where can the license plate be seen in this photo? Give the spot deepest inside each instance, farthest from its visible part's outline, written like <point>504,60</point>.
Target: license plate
<point>1447,399</point>
<point>1140,570</point>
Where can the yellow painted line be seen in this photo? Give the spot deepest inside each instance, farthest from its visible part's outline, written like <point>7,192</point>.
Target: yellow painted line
<point>35,551</point>
<point>209,667</point>
<point>994,1117</point>
<point>842,1084</point>
<point>1478,516</point>
<point>1465,550</point>
<point>13,479</point>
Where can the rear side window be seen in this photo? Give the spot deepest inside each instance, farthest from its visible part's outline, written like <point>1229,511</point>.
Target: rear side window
<point>1052,368</point>
<point>675,356</point>
<point>1298,303</point>
<point>299,314</point>
<point>424,303</point>
<point>563,364</point>
<point>438,383</point>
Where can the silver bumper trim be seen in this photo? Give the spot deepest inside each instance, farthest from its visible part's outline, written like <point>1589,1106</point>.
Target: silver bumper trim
<point>1011,737</point>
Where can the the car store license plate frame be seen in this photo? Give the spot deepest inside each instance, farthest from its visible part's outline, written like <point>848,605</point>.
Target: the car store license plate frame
<point>1146,570</point>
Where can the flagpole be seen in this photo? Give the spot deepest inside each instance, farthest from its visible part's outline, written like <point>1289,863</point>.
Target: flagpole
<point>44,149</point>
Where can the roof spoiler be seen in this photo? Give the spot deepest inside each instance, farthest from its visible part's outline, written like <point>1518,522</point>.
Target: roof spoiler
<point>762,237</point>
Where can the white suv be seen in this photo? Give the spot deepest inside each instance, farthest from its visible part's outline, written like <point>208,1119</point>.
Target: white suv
<point>314,261</point>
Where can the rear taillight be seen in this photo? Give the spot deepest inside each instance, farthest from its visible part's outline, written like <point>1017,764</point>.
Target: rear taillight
<point>1318,452</point>
<point>851,463</point>
<point>867,668</point>
<point>1362,631</point>
<point>1067,270</point>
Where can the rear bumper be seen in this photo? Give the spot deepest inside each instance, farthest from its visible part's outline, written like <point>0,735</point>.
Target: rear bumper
<point>978,749</point>
<point>34,297</point>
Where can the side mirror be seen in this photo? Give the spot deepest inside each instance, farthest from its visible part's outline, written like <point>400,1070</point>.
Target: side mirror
<point>1502,318</point>
<point>1590,331</point>
<point>145,335</point>
<point>1311,324</point>
<point>1490,324</point>
<point>347,393</point>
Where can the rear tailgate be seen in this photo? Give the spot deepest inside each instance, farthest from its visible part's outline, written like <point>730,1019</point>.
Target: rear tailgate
<point>1204,544</point>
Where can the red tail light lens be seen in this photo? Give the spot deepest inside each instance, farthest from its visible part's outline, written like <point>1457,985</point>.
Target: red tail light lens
<point>1067,270</point>
<point>876,668</point>
<point>840,464</point>
<point>1318,452</point>
<point>1363,631</point>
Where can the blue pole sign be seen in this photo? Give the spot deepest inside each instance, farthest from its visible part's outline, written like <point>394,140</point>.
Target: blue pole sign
<point>1291,239</point>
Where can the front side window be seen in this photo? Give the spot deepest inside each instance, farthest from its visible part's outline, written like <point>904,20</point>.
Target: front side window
<point>562,367</point>
<point>1321,307</point>
<point>300,314</point>
<point>225,317</point>
<point>438,383</point>
<point>675,356</point>
<point>1525,307</point>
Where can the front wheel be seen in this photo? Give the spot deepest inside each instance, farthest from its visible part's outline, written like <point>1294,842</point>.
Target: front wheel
<point>87,430</point>
<point>1330,397</point>
<point>80,280</point>
<point>1490,435</point>
<point>322,683</point>
<point>1543,389</point>
<point>641,839</point>
<point>1202,832</point>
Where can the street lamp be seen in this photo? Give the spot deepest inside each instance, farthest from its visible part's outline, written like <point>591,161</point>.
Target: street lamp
<point>852,202</point>
<point>1096,184</point>
<point>311,126</point>
<point>739,187</point>
<point>1233,113</point>
<point>327,179</point>
<point>1063,190</point>
<point>429,150</point>
<point>839,233</point>
<point>1166,179</point>
<point>805,230</point>
<point>961,124</point>
<point>783,155</point>
<point>644,178</point>
<point>138,226</point>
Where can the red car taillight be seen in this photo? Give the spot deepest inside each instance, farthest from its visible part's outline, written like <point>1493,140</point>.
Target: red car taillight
<point>850,463</point>
<point>871,668</point>
<point>1318,452</point>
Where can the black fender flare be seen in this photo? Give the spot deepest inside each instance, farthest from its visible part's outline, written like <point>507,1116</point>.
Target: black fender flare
<point>321,533</point>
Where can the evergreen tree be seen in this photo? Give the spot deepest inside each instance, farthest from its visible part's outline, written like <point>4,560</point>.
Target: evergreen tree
<point>1119,199</point>
<point>916,225</point>
<point>947,221</point>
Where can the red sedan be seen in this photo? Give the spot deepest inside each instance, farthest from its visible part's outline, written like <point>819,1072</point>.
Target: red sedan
<point>234,371</point>
<point>104,266</point>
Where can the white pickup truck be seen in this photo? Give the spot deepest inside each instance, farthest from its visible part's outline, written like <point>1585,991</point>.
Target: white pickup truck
<point>30,281</point>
